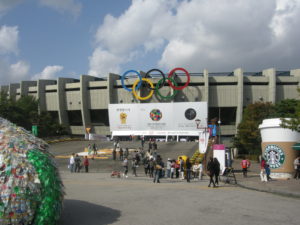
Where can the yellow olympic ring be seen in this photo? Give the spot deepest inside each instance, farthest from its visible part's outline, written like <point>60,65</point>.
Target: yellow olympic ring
<point>139,97</point>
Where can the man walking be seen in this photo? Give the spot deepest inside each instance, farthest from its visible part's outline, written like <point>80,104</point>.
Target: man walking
<point>158,167</point>
<point>77,163</point>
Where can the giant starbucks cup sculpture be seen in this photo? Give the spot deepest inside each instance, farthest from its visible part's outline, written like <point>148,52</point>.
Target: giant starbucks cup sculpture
<point>31,191</point>
<point>277,147</point>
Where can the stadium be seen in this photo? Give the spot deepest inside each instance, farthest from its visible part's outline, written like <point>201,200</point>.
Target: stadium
<point>84,103</point>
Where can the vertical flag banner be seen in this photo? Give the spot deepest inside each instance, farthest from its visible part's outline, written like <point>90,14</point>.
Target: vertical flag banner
<point>203,141</point>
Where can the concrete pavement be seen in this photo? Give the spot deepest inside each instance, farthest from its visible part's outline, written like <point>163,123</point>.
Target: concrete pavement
<point>98,199</point>
<point>289,188</point>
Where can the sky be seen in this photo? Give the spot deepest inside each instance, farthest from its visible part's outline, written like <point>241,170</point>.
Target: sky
<point>46,39</point>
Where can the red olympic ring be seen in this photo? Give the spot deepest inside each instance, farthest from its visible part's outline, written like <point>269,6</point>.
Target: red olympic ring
<point>187,75</point>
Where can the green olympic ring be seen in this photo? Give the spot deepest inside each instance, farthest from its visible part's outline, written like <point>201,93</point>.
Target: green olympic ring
<point>158,87</point>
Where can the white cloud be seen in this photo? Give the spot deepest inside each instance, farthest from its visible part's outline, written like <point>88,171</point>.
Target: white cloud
<point>9,37</point>
<point>49,72</point>
<point>71,6</point>
<point>103,62</point>
<point>217,35</point>
<point>121,38</point>
<point>13,73</point>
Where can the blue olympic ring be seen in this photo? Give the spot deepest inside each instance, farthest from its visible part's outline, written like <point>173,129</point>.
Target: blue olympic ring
<point>131,71</point>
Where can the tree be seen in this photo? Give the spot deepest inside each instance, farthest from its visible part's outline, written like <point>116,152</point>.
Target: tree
<point>248,139</point>
<point>294,122</point>
<point>286,108</point>
<point>24,113</point>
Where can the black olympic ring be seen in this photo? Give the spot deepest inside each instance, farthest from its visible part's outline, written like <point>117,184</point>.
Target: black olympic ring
<point>161,84</point>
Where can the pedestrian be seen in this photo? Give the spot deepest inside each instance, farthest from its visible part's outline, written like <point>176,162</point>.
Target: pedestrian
<point>77,163</point>
<point>125,166</point>
<point>196,168</point>
<point>297,168</point>
<point>173,162</point>
<point>95,149</point>
<point>151,167</point>
<point>211,172</point>
<point>245,165</point>
<point>154,154</point>
<point>134,166</point>
<point>263,176</point>
<point>217,171</point>
<point>268,172</point>
<point>114,154</point>
<point>188,166</point>
<point>121,154</point>
<point>146,165</point>
<point>200,171</point>
<point>137,157</point>
<point>142,141</point>
<point>154,144</point>
<point>72,163</point>
<point>86,164</point>
<point>177,167</point>
<point>181,168</point>
<point>126,153</point>
<point>150,145</point>
<point>169,164</point>
<point>158,167</point>
<point>89,149</point>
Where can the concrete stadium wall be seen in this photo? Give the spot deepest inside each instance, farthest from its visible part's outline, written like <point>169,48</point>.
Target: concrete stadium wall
<point>236,90</point>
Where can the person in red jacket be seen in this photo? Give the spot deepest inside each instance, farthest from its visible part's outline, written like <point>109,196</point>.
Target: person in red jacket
<point>245,165</point>
<point>86,164</point>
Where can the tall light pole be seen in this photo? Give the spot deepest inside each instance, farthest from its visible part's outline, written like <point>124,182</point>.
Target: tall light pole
<point>219,122</point>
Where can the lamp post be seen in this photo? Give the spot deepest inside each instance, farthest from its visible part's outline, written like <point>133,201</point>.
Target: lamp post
<point>219,122</point>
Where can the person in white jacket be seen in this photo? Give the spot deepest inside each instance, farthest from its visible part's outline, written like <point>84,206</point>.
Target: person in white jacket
<point>196,170</point>
<point>72,163</point>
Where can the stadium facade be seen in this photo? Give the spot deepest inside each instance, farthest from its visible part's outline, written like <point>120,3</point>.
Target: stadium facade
<point>82,103</point>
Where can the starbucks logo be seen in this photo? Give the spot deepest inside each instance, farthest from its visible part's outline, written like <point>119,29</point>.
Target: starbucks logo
<point>274,156</point>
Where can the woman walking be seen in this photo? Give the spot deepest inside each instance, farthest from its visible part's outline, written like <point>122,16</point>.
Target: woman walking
<point>211,172</point>
<point>217,171</point>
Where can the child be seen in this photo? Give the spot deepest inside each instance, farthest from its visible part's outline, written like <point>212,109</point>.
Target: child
<point>268,172</point>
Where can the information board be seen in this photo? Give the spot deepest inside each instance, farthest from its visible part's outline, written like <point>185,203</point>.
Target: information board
<point>158,117</point>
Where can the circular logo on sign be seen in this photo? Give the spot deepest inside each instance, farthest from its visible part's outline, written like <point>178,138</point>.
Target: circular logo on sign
<point>190,114</point>
<point>155,114</point>
<point>274,156</point>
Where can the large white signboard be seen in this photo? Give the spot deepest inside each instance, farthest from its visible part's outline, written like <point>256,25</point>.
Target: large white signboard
<point>156,118</point>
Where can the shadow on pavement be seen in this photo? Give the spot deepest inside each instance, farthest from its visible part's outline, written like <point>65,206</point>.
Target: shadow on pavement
<point>85,213</point>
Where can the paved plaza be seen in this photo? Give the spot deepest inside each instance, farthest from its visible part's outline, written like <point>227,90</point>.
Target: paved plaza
<point>95,198</point>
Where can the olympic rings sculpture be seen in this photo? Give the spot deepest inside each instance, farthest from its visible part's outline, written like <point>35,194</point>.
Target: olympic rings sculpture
<point>172,83</point>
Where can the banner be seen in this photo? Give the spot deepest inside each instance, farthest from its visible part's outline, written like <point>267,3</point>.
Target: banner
<point>219,153</point>
<point>203,141</point>
<point>181,116</point>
